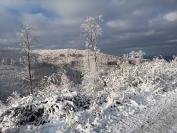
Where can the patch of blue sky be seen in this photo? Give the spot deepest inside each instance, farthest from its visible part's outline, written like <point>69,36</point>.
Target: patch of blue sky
<point>32,9</point>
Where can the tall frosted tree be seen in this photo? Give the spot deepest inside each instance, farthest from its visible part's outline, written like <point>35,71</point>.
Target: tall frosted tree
<point>27,39</point>
<point>92,32</point>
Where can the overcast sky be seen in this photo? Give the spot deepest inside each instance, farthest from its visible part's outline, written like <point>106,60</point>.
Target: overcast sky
<point>150,25</point>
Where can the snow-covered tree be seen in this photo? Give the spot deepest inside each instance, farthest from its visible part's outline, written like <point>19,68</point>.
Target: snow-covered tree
<point>92,29</point>
<point>27,42</point>
<point>136,54</point>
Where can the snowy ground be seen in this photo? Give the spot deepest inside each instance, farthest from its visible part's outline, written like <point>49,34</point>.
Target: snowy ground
<point>161,118</point>
<point>131,96</point>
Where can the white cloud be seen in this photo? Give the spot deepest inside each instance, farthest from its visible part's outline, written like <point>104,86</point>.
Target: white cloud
<point>68,22</point>
<point>63,8</point>
<point>3,40</point>
<point>149,33</point>
<point>171,17</point>
<point>131,35</point>
<point>35,20</point>
<point>172,41</point>
<point>75,8</point>
<point>118,24</point>
<point>8,40</point>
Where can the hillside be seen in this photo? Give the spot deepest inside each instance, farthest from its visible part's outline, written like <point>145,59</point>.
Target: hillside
<point>116,94</point>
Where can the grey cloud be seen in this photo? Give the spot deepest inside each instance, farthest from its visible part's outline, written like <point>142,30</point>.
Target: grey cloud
<point>128,24</point>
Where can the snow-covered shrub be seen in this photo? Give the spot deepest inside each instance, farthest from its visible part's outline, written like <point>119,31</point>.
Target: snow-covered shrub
<point>13,98</point>
<point>73,75</point>
<point>54,79</point>
<point>40,110</point>
<point>136,54</point>
<point>105,101</point>
<point>29,114</point>
<point>92,82</point>
<point>75,103</point>
<point>134,57</point>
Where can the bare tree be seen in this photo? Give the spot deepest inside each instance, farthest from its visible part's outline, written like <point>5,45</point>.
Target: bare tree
<point>92,29</point>
<point>27,42</point>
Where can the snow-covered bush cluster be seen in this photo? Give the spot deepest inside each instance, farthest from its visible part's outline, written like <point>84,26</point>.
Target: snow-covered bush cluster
<point>96,104</point>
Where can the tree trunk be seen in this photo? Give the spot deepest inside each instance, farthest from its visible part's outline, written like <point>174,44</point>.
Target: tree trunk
<point>88,58</point>
<point>67,58</point>
<point>95,58</point>
<point>29,71</point>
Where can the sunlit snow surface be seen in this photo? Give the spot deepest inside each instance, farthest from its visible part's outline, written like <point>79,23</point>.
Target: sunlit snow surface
<point>137,97</point>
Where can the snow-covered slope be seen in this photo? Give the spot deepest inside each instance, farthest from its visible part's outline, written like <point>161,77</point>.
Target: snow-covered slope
<point>124,97</point>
